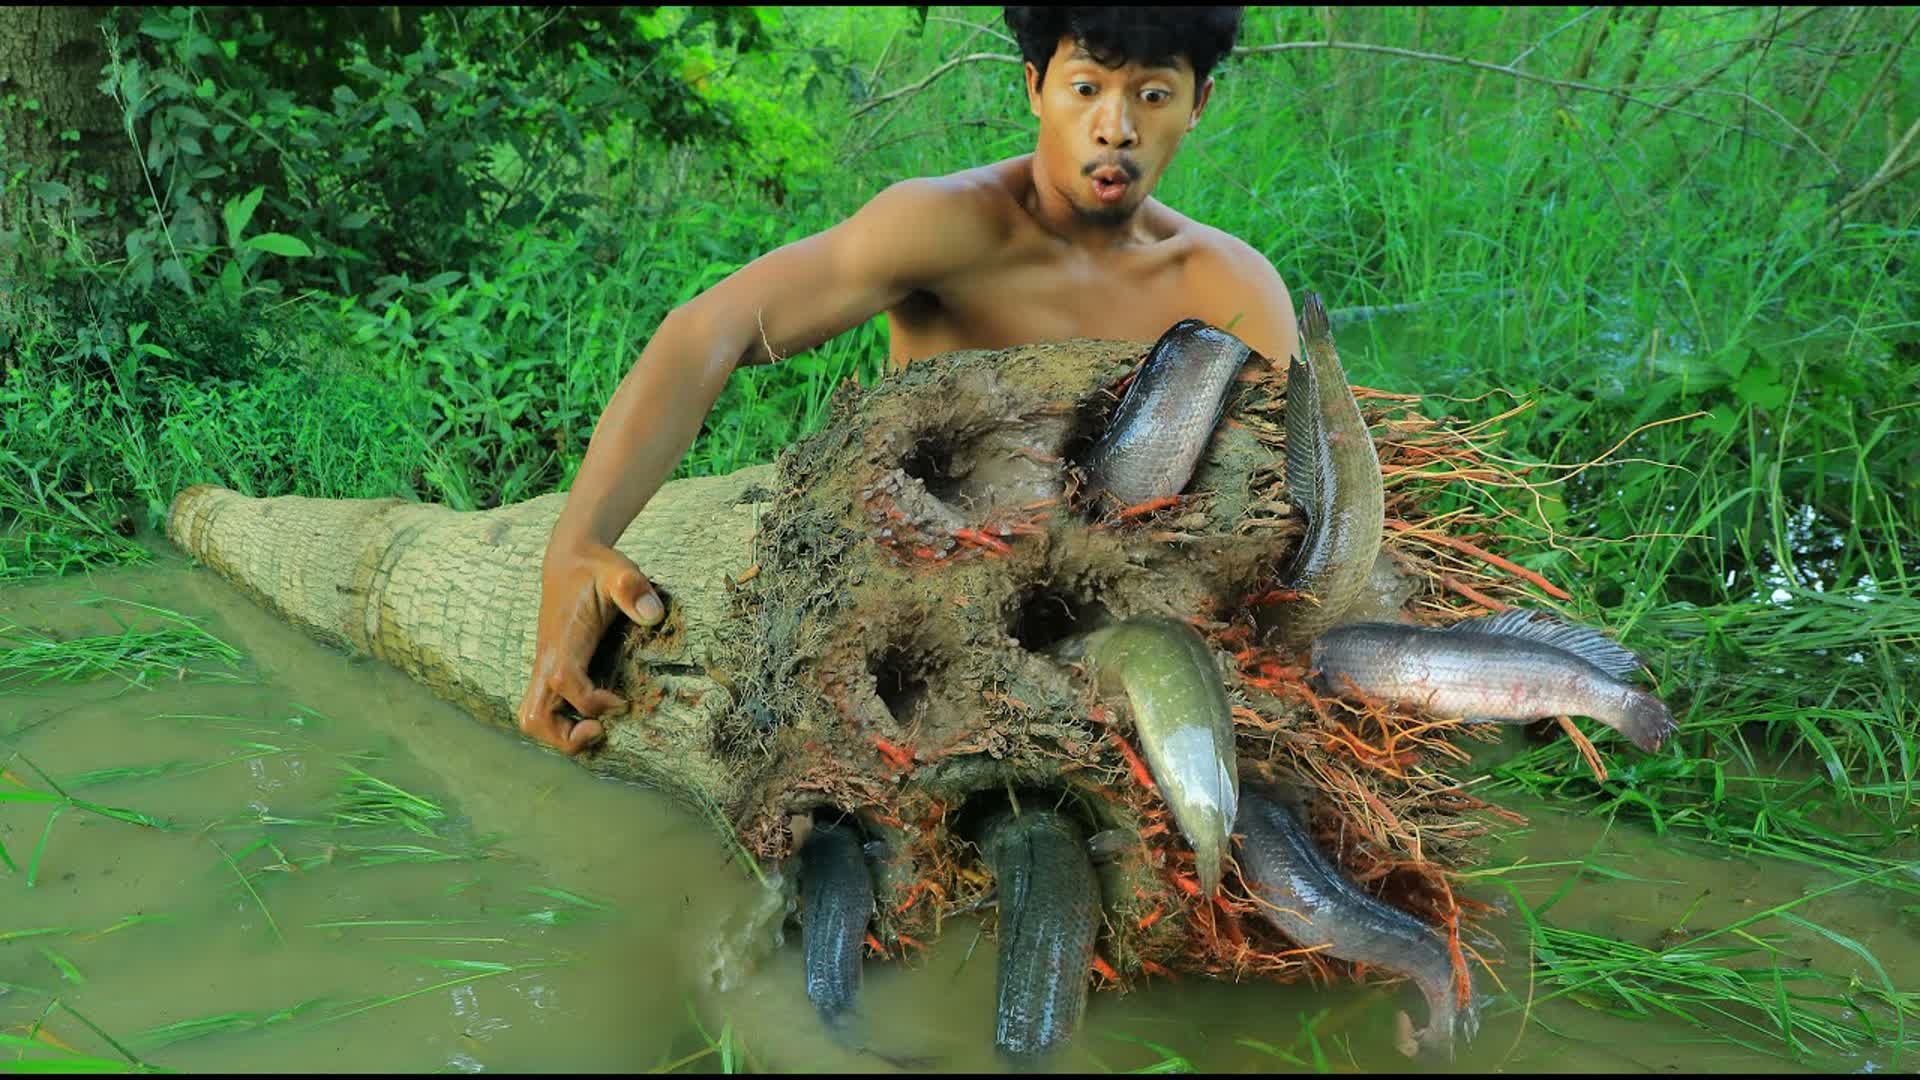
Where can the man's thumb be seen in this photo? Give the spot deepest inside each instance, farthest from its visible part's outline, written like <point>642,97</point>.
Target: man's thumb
<point>634,594</point>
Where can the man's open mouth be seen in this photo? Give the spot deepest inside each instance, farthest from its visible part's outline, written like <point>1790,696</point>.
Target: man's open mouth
<point>1109,185</point>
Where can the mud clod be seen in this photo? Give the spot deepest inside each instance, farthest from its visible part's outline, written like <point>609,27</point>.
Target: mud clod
<point>922,556</point>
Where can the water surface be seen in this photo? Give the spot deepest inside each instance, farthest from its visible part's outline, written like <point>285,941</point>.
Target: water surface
<point>583,924</point>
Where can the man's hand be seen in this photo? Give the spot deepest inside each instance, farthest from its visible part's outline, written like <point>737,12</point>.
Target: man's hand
<point>581,591</point>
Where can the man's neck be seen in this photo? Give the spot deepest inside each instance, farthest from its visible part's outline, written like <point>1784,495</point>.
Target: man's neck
<point>1050,210</point>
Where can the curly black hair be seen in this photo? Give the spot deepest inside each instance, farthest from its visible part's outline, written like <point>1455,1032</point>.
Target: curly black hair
<point>1118,35</point>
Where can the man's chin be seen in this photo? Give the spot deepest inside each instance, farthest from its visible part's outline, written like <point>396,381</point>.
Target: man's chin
<point>1117,214</point>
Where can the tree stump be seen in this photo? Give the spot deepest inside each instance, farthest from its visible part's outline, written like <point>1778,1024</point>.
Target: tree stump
<point>865,625</point>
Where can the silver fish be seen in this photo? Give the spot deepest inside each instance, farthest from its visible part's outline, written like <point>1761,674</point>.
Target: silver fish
<point>1516,666</point>
<point>1333,478</point>
<point>1169,412</point>
<point>1303,893</point>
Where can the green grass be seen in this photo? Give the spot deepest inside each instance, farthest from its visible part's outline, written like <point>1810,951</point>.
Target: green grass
<point>366,801</point>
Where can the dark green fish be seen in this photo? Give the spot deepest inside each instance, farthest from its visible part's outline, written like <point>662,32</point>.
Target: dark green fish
<point>836,892</point>
<point>1049,914</point>
<point>1178,704</point>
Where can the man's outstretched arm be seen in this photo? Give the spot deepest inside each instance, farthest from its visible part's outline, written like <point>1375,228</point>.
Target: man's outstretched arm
<point>785,302</point>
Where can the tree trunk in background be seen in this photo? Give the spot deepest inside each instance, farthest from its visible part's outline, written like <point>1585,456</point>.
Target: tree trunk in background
<point>53,55</point>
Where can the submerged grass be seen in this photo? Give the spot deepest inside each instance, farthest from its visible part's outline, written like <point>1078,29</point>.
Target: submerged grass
<point>366,801</point>
<point>179,646</point>
<point>1746,989</point>
<point>165,1035</point>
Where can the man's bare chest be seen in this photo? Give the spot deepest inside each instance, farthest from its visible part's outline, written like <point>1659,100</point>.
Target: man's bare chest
<point>1024,304</point>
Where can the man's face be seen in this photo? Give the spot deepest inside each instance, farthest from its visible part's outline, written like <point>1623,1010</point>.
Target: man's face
<point>1106,134</point>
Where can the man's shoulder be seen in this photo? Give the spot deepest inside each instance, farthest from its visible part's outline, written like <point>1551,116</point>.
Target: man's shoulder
<point>1215,250</point>
<point>984,191</point>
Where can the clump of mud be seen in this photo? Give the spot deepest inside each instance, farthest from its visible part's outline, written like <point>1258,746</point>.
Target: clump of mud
<point>925,550</point>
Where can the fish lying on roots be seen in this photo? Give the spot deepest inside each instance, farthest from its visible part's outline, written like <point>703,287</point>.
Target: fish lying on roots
<point>1157,435</point>
<point>1178,703</point>
<point>836,891</point>
<point>1517,666</point>
<point>1333,478</point>
<point>1303,893</point>
<point>1049,903</point>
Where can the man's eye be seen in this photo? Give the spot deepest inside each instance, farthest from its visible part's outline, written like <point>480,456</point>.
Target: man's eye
<point>1084,89</point>
<point>1156,97</point>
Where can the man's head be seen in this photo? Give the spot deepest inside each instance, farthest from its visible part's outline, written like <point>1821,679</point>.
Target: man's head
<point>1116,89</point>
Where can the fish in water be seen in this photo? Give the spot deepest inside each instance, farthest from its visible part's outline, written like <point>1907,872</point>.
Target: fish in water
<point>1155,439</point>
<point>1301,892</point>
<point>1333,478</point>
<point>1178,702</point>
<point>837,900</point>
<point>1049,913</point>
<point>1516,666</point>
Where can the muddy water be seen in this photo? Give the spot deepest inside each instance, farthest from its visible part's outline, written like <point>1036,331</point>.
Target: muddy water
<point>585,925</point>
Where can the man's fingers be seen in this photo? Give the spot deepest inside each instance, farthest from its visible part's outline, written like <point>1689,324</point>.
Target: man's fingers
<point>538,718</point>
<point>587,699</point>
<point>584,734</point>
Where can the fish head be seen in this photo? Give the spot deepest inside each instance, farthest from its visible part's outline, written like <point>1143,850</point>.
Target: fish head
<point>1202,789</point>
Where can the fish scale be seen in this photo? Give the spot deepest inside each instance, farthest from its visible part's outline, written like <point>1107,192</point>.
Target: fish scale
<point>1333,478</point>
<point>1168,414</point>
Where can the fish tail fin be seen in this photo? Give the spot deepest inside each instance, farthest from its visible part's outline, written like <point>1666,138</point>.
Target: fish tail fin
<point>1646,720</point>
<point>1314,325</point>
<point>1444,1013</point>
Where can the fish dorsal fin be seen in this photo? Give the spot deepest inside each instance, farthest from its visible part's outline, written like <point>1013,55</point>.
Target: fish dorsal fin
<point>1303,436</point>
<point>1582,641</point>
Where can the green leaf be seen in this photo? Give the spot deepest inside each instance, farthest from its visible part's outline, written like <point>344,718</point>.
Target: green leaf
<point>158,28</point>
<point>1761,388</point>
<point>274,243</point>
<point>406,116</point>
<point>230,282</point>
<point>1720,420</point>
<point>240,211</point>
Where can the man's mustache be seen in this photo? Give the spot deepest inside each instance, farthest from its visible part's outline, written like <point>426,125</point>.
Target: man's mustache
<point>1124,164</point>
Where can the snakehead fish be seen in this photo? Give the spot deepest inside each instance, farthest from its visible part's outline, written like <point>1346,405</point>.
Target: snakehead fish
<point>1333,478</point>
<point>1179,707</point>
<point>1049,914</point>
<point>1301,892</point>
<point>1516,666</point>
<point>1169,412</point>
<point>837,898</point>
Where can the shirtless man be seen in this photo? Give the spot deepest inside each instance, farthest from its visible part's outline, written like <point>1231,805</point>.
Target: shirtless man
<point>1064,242</point>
